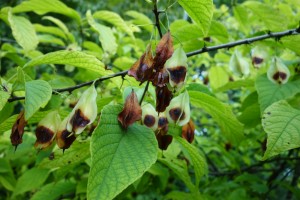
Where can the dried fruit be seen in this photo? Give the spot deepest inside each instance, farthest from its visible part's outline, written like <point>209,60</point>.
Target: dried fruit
<point>132,111</point>
<point>84,113</point>
<point>179,109</point>
<point>142,69</point>
<point>149,116</point>
<point>239,65</point>
<point>278,72</point>
<point>17,130</point>
<point>177,68</point>
<point>64,138</point>
<point>163,98</point>
<point>46,130</point>
<point>164,51</point>
<point>188,131</point>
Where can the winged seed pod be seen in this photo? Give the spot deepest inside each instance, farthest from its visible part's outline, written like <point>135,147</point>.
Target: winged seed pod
<point>239,65</point>
<point>177,68</point>
<point>179,109</point>
<point>131,112</point>
<point>149,116</point>
<point>46,130</point>
<point>85,111</point>
<point>64,138</point>
<point>258,56</point>
<point>278,71</point>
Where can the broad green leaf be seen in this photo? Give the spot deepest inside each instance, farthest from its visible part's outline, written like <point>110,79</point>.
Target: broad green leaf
<point>201,11</point>
<point>119,156</point>
<point>62,26</point>
<point>292,42</point>
<point>141,20</point>
<point>180,169</point>
<point>53,191</point>
<point>23,31</point>
<point>106,35</point>
<point>37,95</point>
<point>50,30</point>
<point>47,38</point>
<point>78,152</point>
<point>45,6</point>
<point>217,77</point>
<point>31,179</point>
<point>197,159</point>
<point>282,124</point>
<point>236,85</point>
<point>273,20</point>
<point>221,113</point>
<point>269,92</point>
<point>3,98</point>
<point>73,58</point>
<point>114,19</point>
<point>218,31</point>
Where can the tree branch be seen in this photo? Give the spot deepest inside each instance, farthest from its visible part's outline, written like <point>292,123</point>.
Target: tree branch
<point>276,35</point>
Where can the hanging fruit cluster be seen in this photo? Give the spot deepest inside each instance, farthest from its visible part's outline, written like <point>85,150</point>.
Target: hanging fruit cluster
<point>166,71</point>
<point>51,127</point>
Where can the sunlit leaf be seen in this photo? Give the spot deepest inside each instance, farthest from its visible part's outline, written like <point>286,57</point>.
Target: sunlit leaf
<point>281,122</point>
<point>37,95</point>
<point>119,156</point>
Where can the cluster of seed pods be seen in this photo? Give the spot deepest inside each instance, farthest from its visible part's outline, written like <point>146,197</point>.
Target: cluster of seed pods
<point>51,128</point>
<point>167,72</point>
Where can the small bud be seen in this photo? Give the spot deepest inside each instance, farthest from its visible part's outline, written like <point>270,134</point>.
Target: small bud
<point>163,98</point>
<point>258,56</point>
<point>149,116</point>
<point>64,138</point>
<point>177,68</point>
<point>278,71</point>
<point>163,141</point>
<point>162,127</point>
<point>85,111</point>
<point>188,131</point>
<point>17,130</point>
<point>132,111</point>
<point>46,130</point>
<point>164,51</point>
<point>179,109</point>
<point>239,65</point>
<point>142,69</point>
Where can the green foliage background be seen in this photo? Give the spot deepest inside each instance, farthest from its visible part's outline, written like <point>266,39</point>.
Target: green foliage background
<point>247,134</point>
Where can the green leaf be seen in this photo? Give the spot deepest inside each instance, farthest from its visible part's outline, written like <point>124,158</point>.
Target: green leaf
<point>31,179</point>
<point>78,152</point>
<point>141,20</point>
<point>114,19</point>
<point>37,95</point>
<point>45,6</point>
<point>106,35</point>
<point>73,58</point>
<point>282,124</point>
<point>50,30</point>
<point>273,20</point>
<point>217,77</point>
<point>3,98</point>
<point>54,191</point>
<point>197,159</point>
<point>23,31</point>
<point>221,113</point>
<point>292,42</point>
<point>119,157</point>
<point>201,11</point>
<point>180,169</point>
<point>269,92</point>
